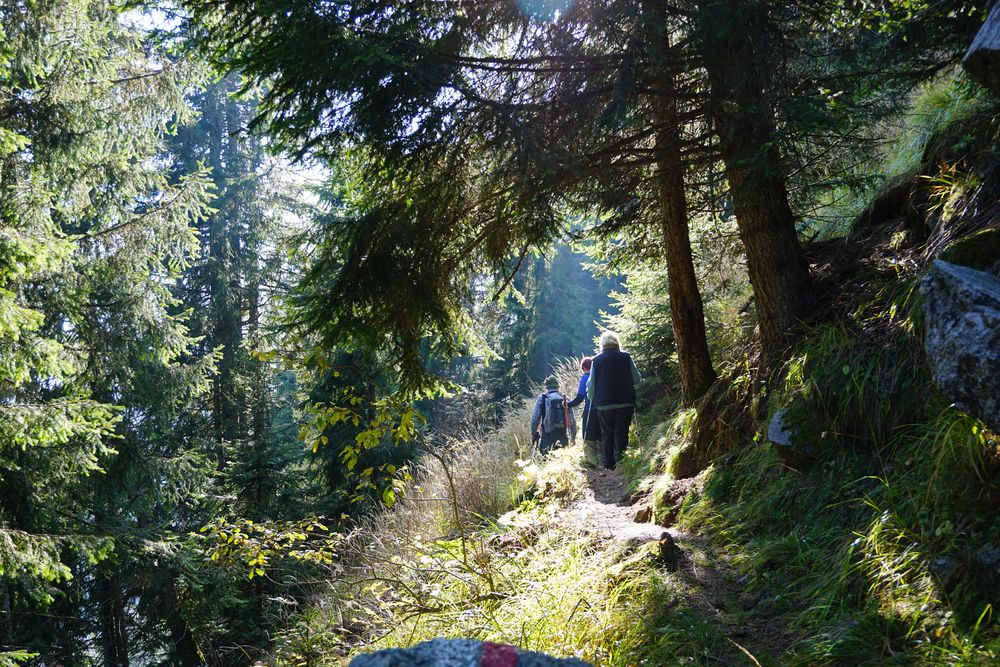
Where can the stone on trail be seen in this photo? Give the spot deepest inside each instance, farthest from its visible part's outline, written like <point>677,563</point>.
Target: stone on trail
<point>461,653</point>
<point>962,317</point>
<point>644,515</point>
<point>668,553</point>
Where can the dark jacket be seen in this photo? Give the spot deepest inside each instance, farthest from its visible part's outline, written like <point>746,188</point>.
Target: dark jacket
<point>613,377</point>
<point>591,423</point>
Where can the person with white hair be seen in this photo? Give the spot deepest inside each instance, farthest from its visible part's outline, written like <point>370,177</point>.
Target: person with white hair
<point>611,388</point>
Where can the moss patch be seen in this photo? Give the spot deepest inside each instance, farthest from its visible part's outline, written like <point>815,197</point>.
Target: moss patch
<point>980,251</point>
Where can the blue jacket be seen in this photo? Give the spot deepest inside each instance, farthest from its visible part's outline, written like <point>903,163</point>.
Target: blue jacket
<point>612,381</point>
<point>581,395</point>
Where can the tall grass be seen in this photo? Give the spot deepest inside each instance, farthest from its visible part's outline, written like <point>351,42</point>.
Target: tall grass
<point>847,386</point>
<point>466,479</point>
<point>431,555</point>
<point>937,109</point>
<point>948,100</point>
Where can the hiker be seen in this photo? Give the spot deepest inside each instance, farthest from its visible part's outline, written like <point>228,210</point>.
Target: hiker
<point>552,420</point>
<point>611,388</point>
<point>591,422</point>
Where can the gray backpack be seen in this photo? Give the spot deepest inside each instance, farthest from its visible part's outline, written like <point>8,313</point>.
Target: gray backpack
<point>555,417</point>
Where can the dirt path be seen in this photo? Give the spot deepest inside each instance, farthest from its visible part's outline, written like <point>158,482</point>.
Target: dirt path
<point>606,512</point>
<point>753,634</point>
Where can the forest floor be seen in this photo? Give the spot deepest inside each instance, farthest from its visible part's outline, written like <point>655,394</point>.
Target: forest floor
<point>709,577</point>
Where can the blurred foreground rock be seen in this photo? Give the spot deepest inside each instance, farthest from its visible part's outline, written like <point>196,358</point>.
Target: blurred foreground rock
<point>962,318</point>
<point>461,653</point>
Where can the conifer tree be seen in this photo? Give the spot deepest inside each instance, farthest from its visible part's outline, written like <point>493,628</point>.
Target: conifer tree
<point>94,235</point>
<point>462,110</point>
<point>230,292</point>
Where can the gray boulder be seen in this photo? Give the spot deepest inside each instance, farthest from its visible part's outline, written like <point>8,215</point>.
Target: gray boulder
<point>461,653</point>
<point>778,431</point>
<point>982,60</point>
<point>795,450</point>
<point>962,317</point>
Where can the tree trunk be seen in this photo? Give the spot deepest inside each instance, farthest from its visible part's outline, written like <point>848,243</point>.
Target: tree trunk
<point>114,633</point>
<point>982,61</point>
<point>224,293</point>
<point>163,599</point>
<point>185,650</point>
<point>6,617</point>
<point>686,310</point>
<point>262,482</point>
<point>731,34</point>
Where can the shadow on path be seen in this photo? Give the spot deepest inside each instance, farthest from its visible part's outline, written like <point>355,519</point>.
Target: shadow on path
<point>605,509</point>
<point>608,487</point>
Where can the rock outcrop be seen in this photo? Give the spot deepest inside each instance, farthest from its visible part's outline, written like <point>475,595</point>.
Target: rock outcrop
<point>982,61</point>
<point>461,653</point>
<point>962,318</point>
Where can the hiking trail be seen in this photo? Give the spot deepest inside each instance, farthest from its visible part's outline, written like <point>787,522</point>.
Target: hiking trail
<point>606,509</point>
<point>710,581</point>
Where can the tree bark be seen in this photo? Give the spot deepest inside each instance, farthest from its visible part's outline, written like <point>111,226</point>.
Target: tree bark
<point>732,36</point>
<point>686,310</point>
<point>114,632</point>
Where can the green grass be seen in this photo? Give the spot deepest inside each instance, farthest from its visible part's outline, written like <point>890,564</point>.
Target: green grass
<point>869,551</point>
<point>528,579</point>
<point>568,596</point>
<point>866,554</point>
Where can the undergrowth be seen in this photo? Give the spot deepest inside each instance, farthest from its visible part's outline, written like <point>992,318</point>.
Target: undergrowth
<point>878,546</point>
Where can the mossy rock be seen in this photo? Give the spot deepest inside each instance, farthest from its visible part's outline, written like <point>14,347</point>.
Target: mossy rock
<point>792,433</point>
<point>687,461</point>
<point>668,498</point>
<point>980,251</point>
<point>665,505</point>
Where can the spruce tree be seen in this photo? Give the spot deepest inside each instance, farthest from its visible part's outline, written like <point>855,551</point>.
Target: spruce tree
<point>93,376</point>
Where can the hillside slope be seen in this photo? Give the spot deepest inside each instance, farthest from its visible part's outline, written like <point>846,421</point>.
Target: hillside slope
<point>872,539</point>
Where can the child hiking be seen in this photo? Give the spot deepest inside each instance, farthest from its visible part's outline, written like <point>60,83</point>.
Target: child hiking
<point>552,420</point>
